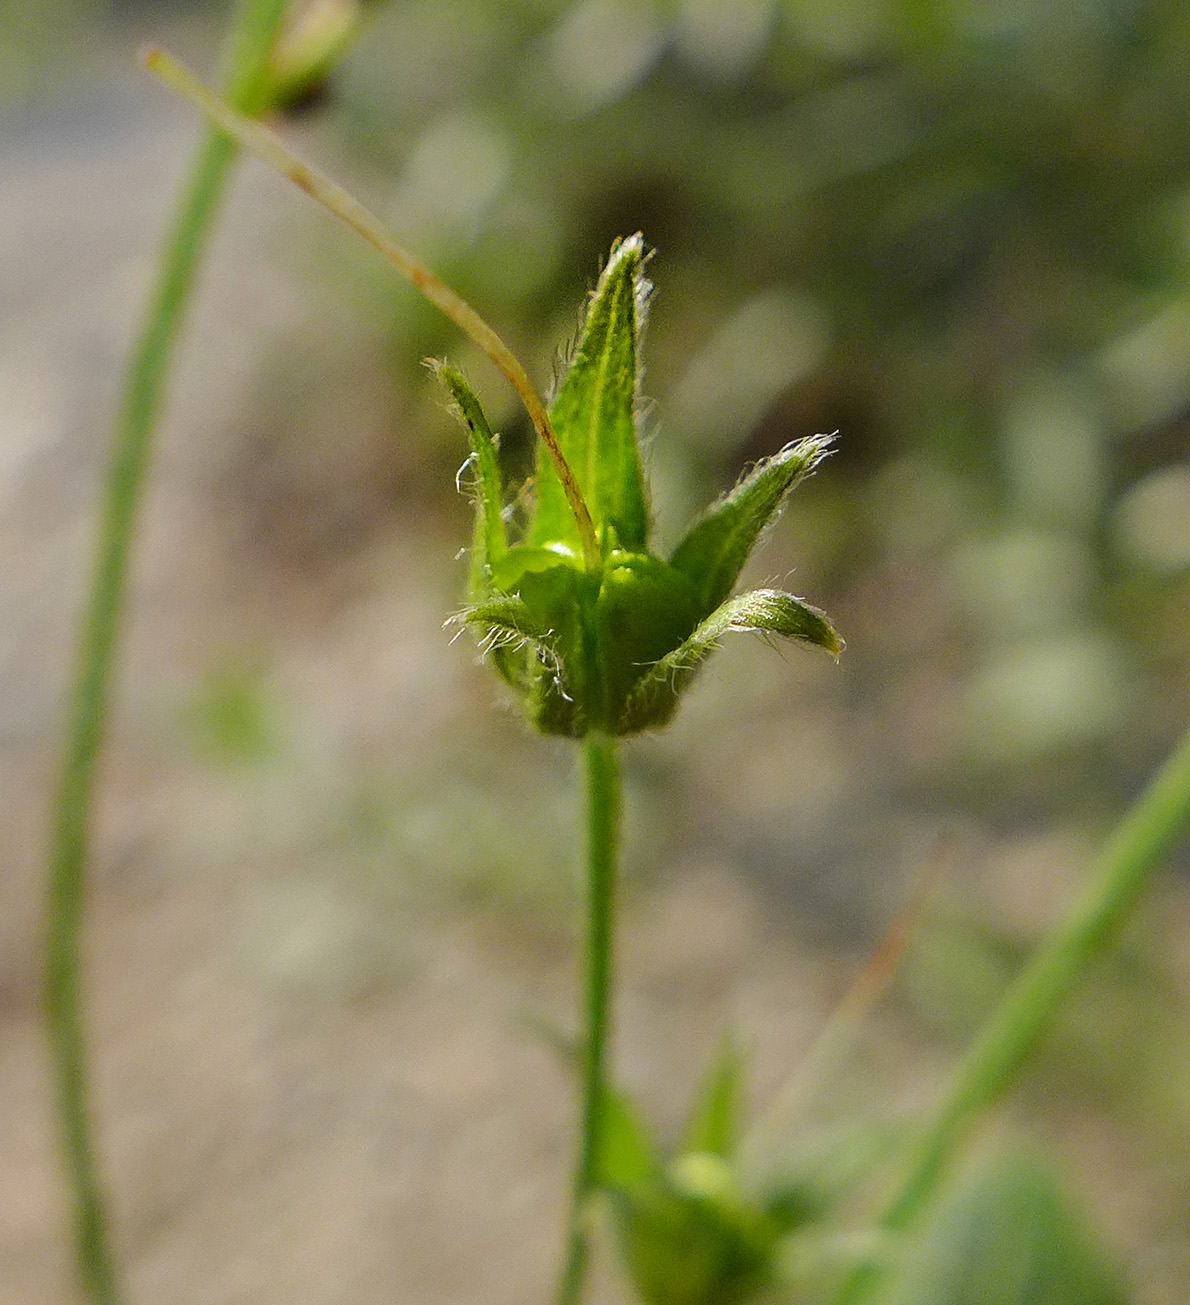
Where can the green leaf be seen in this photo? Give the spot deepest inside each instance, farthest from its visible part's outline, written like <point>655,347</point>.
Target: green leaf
<point>1005,1236</point>
<point>764,611</point>
<point>626,1161</point>
<point>694,1247</point>
<point>715,1119</point>
<point>594,414</point>
<point>687,1234</point>
<point>716,547</point>
<point>489,543</point>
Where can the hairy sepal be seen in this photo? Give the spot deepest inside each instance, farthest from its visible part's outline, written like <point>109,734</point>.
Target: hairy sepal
<point>593,414</point>
<point>762,611</point>
<point>535,629</point>
<point>714,551</point>
<point>489,541</point>
<point>504,621</point>
<point>644,610</point>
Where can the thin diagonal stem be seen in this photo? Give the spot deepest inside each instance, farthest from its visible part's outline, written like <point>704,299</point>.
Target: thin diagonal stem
<point>269,147</point>
<point>1146,836</point>
<point>602,767</point>
<point>255,25</point>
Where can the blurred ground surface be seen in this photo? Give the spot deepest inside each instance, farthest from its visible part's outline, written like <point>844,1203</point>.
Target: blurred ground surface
<point>333,890</point>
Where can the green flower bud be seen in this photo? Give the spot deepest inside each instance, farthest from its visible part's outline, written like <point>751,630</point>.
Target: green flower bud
<point>611,646</point>
<point>315,37</point>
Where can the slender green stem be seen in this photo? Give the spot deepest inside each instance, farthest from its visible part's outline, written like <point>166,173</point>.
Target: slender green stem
<point>601,762</point>
<point>253,31</point>
<point>1148,834</point>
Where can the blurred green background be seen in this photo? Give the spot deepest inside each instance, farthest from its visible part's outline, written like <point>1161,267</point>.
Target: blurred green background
<point>957,233</point>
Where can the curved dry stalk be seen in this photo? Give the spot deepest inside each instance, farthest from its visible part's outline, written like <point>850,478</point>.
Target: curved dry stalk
<point>268,147</point>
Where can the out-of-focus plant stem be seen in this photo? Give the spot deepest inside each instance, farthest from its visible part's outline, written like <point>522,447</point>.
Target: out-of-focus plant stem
<point>602,767</point>
<point>254,28</point>
<point>1146,836</point>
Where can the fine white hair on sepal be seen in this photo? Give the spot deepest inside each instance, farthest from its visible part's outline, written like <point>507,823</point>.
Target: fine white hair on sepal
<point>462,471</point>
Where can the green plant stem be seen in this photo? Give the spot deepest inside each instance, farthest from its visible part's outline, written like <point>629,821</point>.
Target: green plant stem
<point>601,763</point>
<point>256,24</point>
<point>1146,836</point>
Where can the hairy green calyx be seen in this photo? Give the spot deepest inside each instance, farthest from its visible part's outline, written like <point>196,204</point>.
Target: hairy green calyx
<point>611,647</point>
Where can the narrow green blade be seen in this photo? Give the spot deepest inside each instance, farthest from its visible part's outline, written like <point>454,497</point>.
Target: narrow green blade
<point>1006,1235</point>
<point>715,1121</point>
<point>594,414</point>
<point>489,543</point>
<point>764,611</point>
<point>714,551</point>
